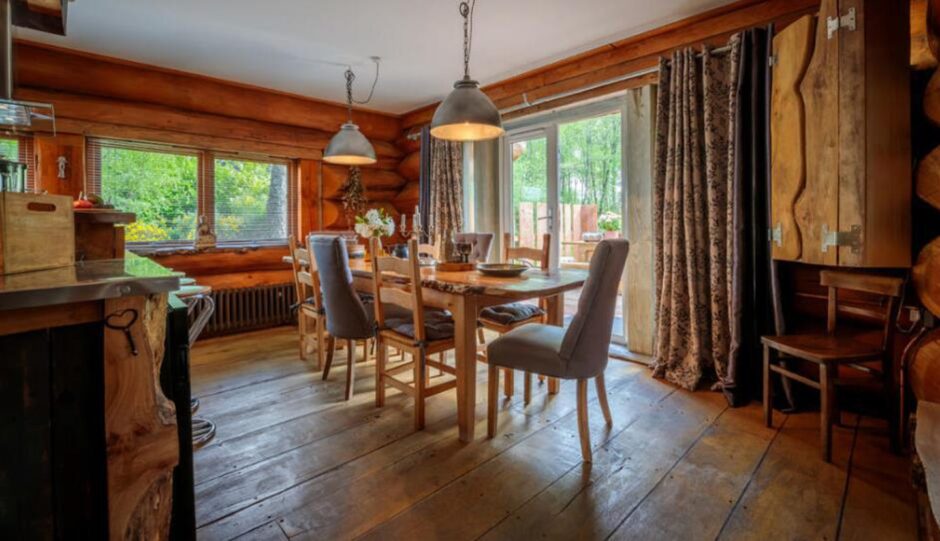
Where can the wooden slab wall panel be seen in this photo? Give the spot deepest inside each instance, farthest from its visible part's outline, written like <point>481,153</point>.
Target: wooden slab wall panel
<point>308,213</point>
<point>45,67</point>
<point>819,202</point>
<point>410,167</point>
<point>875,162</point>
<point>219,261</point>
<point>793,48</point>
<point>928,178</point>
<point>407,198</point>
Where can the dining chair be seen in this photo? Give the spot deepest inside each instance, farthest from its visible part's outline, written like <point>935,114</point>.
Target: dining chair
<point>506,317</point>
<point>480,244</point>
<point>348,315</point>
<point>309,304</point>
<point>855,349</point>
<point>578,352</point>
<point>419,331</point>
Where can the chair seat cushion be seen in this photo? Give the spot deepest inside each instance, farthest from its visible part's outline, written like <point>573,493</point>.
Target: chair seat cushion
<point>823,348</point>
<point>438,324</point>
<point>535,348</point>
<point>508,314</point>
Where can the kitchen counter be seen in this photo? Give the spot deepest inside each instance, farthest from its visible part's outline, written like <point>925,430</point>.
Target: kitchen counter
<point>86,281</point>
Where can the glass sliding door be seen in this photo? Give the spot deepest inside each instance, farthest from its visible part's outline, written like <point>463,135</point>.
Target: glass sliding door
<point>565,177</point>
<point>532,193</point>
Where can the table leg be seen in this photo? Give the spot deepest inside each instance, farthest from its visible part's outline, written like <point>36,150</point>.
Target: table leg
<point>555,306</point>
<point>465,330</point>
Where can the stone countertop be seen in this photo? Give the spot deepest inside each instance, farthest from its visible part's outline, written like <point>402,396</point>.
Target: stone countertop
<point>86,281</point>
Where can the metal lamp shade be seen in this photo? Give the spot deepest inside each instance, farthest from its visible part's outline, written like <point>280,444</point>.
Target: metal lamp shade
<point>349,147</point>
<point>467,115</point>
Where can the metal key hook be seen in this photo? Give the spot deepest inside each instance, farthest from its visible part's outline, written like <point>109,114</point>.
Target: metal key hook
<point>117,321</point>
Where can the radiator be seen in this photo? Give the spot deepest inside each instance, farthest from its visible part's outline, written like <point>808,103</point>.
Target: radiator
<point>245,309</point>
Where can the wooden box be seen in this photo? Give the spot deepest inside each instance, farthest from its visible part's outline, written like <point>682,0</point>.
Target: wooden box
<point>99,233</point>
<point>36,232</point>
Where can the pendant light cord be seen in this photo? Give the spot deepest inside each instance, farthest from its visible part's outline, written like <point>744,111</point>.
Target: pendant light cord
<point>466,11</point>
<point>350,77</point>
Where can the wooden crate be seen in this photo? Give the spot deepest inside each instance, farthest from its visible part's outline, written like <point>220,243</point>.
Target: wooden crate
<point>36,232</point>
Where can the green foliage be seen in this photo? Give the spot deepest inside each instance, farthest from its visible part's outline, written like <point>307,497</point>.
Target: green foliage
<point>250,200</point>
<point>10,149</point>
<point>609,221</point>
<point>160,188</point>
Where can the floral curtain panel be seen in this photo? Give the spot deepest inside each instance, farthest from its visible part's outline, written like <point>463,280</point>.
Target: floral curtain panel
<point>446,188</point>
<point>695,198</point>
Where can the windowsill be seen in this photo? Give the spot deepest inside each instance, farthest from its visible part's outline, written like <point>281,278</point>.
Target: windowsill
<point>189,249</point>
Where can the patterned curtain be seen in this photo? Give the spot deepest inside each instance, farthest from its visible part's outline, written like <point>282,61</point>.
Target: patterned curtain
<point>446,186</point>
<point>696,235</point>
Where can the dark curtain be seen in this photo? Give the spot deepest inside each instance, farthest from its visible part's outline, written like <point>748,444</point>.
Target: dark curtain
<point>424,182</point>
<point>711,194</point>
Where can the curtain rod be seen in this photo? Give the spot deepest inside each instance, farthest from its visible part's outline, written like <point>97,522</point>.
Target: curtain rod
<point>561,95</point>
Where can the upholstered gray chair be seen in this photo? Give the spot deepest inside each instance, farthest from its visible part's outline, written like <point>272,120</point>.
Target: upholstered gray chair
<point>578,352</point>
<point>480,242</point>
<point>348,315</point>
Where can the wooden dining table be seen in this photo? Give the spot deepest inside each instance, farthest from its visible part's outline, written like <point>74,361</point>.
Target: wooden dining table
<point>464,294</point>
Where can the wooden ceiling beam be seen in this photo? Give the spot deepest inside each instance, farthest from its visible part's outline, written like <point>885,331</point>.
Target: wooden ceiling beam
<point>55,69</point>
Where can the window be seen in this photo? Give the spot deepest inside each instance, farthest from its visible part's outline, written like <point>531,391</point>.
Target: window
<point>250,200</point>
<point>172,189</point>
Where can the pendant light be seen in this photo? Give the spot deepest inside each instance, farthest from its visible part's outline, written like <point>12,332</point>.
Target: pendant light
<point>349,146</point>
<point>467,114</point>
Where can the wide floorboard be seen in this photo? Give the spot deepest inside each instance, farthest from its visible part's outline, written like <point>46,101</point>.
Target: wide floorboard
<point>293,460</point>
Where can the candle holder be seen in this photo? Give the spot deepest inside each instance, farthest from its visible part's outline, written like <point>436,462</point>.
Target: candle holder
<point>415,232</point>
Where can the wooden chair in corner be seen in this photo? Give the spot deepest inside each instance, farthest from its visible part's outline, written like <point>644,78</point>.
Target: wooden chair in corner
<point>403,322</point>
<point>838,348</point>
<point>506,317</point>
<point>311,324</point>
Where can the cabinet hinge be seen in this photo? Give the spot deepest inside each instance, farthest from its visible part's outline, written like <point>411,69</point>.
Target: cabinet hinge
<point>772,60</point>
<point>852,238</point>
<point>775,234</point>
<point>845,21</point>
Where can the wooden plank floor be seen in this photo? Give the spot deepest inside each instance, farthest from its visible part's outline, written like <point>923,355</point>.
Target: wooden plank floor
<point>292,460</point>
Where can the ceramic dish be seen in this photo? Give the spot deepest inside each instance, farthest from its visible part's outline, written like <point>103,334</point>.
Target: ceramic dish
<point>501,269</point>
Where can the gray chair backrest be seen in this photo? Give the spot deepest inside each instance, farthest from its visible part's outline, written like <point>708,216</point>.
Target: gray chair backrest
<point>481,245</point>
<point>588,335</point>
<point>346,316</point>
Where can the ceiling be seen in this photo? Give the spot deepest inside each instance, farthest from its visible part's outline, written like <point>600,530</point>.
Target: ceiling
<point>302,46</point>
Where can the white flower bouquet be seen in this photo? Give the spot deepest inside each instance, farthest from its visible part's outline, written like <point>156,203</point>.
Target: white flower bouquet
<point>376,223</point>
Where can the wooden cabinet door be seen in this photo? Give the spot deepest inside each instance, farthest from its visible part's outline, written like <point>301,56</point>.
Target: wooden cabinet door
<point>817,207</point>
<point>793,49</point>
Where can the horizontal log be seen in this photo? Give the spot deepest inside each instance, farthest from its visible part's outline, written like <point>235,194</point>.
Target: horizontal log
<point>647,46</point>
<point>224,261</point>
<point>158,117</point>
<point>335,218</point>
<point>334,176</point>
<point>115,131</point>
<point>409,144</point>
<point>240,280</point>
<point>410,167</point>
<point>46,67</point>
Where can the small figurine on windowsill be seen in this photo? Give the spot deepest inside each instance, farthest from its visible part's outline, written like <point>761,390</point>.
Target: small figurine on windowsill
<point>205,238</point>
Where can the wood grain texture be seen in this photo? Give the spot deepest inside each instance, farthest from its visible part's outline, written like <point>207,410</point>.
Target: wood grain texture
<point>319,468</point>
<point>924,371</point>
<point>925,273</point>
<point>410,167</point>
<point>140,423</point>
<point>932,99</point>
<point>924,42</point>
<point>47,151</point>
<point>818,204</point>
<point>928,178</point>
<point>793,48</point>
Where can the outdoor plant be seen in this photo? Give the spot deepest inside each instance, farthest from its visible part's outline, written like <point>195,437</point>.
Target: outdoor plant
<point>609,221</point>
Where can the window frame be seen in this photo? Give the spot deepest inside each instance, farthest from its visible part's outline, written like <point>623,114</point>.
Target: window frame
<point>205,190</point>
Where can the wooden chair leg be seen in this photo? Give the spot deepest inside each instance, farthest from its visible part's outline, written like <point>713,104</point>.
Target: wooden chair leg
<point>302,332</point>
<point>419,383</point>
<point>350,367</point>
<point>602,398</point>
<point>491,399</point>
<point>554,384</point>
<point>365,350</point>
<point>381,354</point>
<point>584,429</point>
<point>826,389</point>
<point>330,342</point>
<point>768,392</point>
<point>481,336</point>
<point>527,388</point>
<point>510,383</point>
